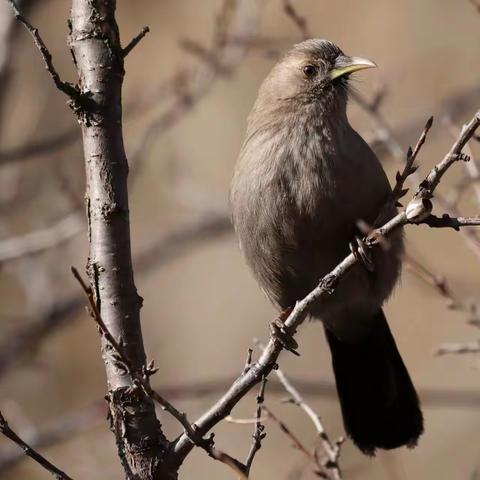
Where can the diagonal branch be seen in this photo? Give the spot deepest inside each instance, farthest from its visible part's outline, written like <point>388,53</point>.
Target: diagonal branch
<point>65,87</point>
<point>28,450</point>
<point>268,358</point>
<point>135,41</point>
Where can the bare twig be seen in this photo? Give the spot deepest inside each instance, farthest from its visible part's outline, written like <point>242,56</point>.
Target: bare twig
<point>446,221</point>
<point>437,282</point>
<point>134,42</point>
<point>331,450</point>
<point>65,87</point>
<point>320,469</point>
<point>259,430</point>
<point>455,154</point>
<point>141,378</point>
<point>28,450</point>
<point>409,167</point>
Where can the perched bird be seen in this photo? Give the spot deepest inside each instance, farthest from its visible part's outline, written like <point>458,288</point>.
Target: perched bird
<point>303,180</point>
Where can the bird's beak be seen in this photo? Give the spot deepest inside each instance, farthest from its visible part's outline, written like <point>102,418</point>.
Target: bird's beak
<point>344,65</point>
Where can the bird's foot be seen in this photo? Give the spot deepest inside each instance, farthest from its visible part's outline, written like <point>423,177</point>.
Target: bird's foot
<point>328,283</point>
<point>361,252</point>
<point>282,334</point>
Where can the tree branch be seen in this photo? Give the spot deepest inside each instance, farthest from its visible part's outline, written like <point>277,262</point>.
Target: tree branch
<point>451,222</point>
<point>41,460</point>
<point>65,87</point>
<point>94,41</point>
<point>268,358</point>
<point>134,42</point>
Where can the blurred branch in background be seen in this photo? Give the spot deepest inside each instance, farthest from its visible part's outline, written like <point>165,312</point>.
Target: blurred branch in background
<point>476,4</point>
<point>327,467</point>
<point>159,253</point>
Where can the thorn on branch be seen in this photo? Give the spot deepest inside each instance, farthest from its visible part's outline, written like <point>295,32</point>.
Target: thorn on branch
<point>135,41</point>
<point>248,361</point>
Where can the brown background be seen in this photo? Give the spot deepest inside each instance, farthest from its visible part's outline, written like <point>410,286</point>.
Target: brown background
<point>202,310</point>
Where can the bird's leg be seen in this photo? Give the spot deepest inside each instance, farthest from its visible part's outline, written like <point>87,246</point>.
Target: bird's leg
<point>361,252</point>
<point>282,334</point>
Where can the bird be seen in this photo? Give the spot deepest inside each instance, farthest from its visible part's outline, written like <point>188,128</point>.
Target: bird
<point>303,180</point>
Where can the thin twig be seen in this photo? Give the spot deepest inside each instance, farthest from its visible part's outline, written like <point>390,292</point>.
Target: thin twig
<point>332,451</point>
<point>472,168</point>
<point>65,87</point>
<point>446,221</point>
<point>140,378</point>
<point>320,469</point>
<point>134,42</point>
<point>259,430</point>
<point>455,154</point>
<point>410,168</point>
<point>28,450</point>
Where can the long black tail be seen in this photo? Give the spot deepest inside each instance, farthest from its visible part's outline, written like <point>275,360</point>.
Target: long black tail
<point>379,404</point>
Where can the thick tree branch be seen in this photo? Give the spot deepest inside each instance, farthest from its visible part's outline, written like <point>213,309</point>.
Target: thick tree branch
<point>94,41</point>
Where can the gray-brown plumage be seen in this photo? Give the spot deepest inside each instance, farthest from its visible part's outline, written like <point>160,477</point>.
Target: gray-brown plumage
<point>303,179</point>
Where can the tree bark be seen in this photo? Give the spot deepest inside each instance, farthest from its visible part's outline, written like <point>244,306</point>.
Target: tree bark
<point>95,45</point>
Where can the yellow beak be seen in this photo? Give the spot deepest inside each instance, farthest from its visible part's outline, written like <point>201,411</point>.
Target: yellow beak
<point>344,65</point>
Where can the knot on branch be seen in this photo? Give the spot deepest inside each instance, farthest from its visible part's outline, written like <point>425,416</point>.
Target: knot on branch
<point>418,209</point>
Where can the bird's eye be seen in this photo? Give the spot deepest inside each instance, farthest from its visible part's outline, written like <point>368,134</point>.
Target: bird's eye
<point>310,70</point>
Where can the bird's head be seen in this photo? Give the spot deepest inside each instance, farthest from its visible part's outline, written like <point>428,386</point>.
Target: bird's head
<point>312,72</point>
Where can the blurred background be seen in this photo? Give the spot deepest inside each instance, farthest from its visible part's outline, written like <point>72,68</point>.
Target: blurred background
<point>189,87</point>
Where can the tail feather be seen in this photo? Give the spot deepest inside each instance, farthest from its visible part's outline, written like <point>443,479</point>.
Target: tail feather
<point>379,403</point>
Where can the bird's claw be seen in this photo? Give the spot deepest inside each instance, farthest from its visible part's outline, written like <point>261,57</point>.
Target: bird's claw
<point>281,334</point>
<point>328,283</point>
<point>361,252</point>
